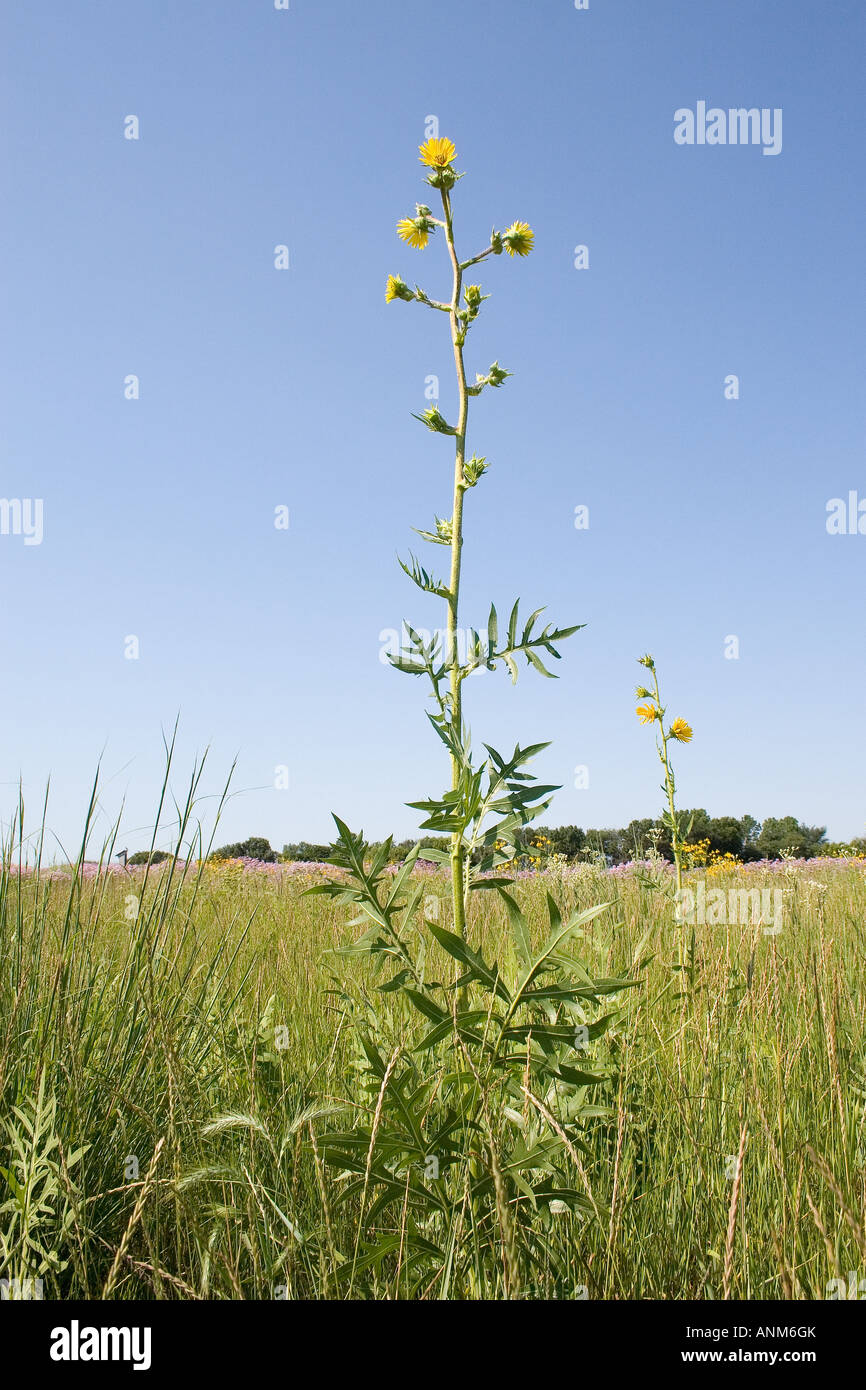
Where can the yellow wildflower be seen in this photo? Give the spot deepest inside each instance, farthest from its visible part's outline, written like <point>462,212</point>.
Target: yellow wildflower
<point>415,230</point>
<point>519,239</point>
<point>646,713</point>
<point>397,289</point>
<point>438,153</point>
<point>681,731</point>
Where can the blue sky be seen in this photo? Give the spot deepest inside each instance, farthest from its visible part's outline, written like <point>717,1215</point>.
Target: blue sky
<point>261,388</point>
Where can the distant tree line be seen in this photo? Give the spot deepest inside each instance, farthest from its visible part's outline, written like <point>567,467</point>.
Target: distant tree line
<point>256,847</point>
<point>744,837</point>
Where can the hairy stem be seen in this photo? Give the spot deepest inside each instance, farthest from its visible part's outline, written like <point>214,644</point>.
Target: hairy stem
<point>686,956</point>
<point>458,852</point>
<point>670,787</point>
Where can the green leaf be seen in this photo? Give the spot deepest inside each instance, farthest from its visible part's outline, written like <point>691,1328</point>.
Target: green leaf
<point>538,664</point>
<point>554,914</point>
<point>410,665</point>
<point>402,876</point>
<point>530,623</point>
<point>461,951</point>
<point>425,581</point>
<point>576,1077</point>
<point>434,856</point>
<point>519,928</point>
<point>492,629</point>
<point>396,983</point>
<point>555,1034</point>
<point>465,1025</point>
<point>555,939</point>
<point>427,1006</point>
<point>576,1201</point>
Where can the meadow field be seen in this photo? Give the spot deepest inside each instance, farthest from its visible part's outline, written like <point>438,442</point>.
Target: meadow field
<point>203,1098</point>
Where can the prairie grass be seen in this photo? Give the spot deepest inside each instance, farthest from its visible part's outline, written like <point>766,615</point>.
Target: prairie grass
<point>173,1046</point>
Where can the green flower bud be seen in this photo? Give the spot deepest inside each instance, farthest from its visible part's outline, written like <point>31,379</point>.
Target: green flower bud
<point>497,375</point>
<point>473,469</point>
<point>442,534</point>
<point>434,421</point>
<point>443,178</point>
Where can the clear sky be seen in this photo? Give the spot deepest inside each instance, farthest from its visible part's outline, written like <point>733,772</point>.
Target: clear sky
<point>262,387</point>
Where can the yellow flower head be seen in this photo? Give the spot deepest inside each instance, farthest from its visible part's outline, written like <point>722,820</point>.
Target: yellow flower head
<point>397,289</point>
<point>415,230</point>
<point>681,731</point>
<point>519,239</point>
<point>646,713</point>
<point>438,153</point>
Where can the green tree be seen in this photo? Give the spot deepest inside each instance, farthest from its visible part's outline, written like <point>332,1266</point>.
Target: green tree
<point>141,856</point>
<point>256,847</point>
<point>638,837</point>
<point>564,839</point>
<point>609,842</point>
<point>726,835</point>
<point>305,853</point>
<point>788,834</point>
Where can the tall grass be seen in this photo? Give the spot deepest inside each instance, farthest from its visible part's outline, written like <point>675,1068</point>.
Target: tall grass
<point>175,1044</point>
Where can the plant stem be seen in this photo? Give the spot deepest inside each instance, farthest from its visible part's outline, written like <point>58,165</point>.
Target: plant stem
<point>687,958</point>
<point>670,788</point>
<point>458,853</point>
